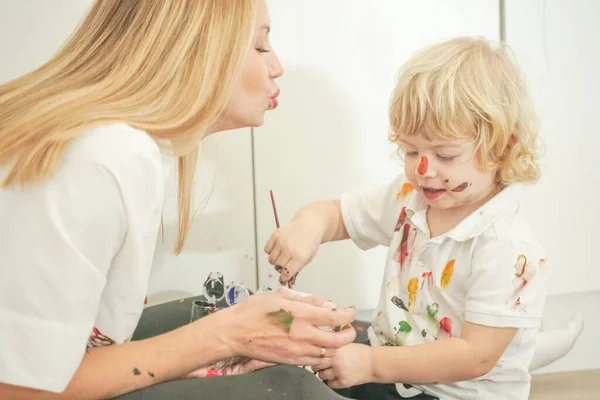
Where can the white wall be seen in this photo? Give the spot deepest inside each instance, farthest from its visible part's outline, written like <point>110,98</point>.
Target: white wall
<point>32,30</point>
<point>222,236</point>
<point>330,133</point>
<point>558,44</point>
<point>340,59</point>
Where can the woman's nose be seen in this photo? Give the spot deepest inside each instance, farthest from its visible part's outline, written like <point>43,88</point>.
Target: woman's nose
<point>275,67</point>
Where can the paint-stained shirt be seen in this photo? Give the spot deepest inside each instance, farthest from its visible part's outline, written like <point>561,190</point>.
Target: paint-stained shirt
<point>488,270</point>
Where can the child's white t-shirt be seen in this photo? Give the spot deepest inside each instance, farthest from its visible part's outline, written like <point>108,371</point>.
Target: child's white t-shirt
<point>488,270</point>
<point>75,254</point>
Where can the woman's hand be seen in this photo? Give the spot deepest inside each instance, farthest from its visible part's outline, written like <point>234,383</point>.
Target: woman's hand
<point>281,327</point>
<point>244,366</point>
<point>351,366</point>
<point>293,246</point>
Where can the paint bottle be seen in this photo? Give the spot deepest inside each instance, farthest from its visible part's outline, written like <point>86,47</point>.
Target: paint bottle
<point>236,293</point>
<point>214,287</point>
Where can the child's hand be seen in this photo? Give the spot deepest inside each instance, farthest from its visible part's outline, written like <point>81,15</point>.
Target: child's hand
<point>293,246</point>
<point>351,366</point>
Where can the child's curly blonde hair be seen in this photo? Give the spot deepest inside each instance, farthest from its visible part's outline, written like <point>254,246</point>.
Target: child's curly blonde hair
<point>465,88</point>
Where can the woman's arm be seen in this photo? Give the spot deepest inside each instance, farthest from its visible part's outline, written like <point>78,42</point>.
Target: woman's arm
<point>109,371</point>
<point>278,327</point>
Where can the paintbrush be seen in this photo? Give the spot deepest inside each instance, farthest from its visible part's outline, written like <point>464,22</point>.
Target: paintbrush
<point>279,268</point>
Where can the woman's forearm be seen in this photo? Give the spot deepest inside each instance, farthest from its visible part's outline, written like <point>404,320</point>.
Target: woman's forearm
<point>329,213</point>
<point>113,370</point>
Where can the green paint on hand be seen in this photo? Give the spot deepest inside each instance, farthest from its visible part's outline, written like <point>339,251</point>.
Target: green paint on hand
<point>283,317</point>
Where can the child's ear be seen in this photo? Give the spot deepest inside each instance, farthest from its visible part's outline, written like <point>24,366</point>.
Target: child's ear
<point>512,140</point>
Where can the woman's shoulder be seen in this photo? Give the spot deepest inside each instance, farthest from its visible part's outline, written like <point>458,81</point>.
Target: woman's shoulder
<point>129,156</point>
<point>113,145</point>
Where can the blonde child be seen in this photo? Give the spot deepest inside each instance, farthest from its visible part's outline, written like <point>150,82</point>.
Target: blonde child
<point>465,280</point>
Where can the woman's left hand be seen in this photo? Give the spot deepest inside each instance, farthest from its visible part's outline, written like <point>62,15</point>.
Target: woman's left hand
<point>351,366</point>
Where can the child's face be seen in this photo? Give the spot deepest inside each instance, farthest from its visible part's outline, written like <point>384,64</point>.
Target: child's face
<point>447,173</point>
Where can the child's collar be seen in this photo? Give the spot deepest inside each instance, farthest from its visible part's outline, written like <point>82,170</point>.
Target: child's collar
<point>505,202</point>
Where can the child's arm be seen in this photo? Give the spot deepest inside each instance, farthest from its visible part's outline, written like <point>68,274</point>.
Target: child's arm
<point>295,245</point>
<point>472,355</point>
<point>368,217</point>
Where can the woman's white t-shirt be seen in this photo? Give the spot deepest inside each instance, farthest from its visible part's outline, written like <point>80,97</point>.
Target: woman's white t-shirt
<point>75,254</point>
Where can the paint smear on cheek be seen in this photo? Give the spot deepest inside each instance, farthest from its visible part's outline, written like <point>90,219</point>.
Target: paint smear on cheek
<point>462,187</point>
<point>423,165</point>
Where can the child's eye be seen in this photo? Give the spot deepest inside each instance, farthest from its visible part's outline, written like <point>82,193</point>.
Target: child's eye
<point>261,50</point>
<point>411,153</point>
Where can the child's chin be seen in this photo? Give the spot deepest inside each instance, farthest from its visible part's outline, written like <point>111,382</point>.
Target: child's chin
<point>440,204</point>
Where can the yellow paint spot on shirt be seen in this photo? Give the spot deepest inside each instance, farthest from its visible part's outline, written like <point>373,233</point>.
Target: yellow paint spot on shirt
<point>447,274</point>
<point>413,287</point>
<point>404,191</point>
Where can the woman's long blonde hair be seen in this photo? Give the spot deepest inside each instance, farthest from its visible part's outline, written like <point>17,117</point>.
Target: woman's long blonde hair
<point>166,67</point>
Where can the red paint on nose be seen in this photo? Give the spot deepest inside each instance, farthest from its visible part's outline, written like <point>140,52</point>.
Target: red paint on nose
<point>423,165</point>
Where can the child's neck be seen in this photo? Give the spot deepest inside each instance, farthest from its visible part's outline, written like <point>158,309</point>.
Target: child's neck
<point>441,221</point>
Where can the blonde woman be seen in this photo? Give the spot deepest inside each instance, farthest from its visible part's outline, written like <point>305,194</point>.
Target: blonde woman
<point>81,141</point>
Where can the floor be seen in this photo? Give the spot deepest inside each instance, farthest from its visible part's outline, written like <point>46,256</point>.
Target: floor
<point>580,385</point>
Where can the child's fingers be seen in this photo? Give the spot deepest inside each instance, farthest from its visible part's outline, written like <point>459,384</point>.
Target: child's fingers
<point>271,243</point>
<point>327,374</point>
<point>274,255</point>
<point>282,260</point>
<point>326,363</point>
<point>291,269</point>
